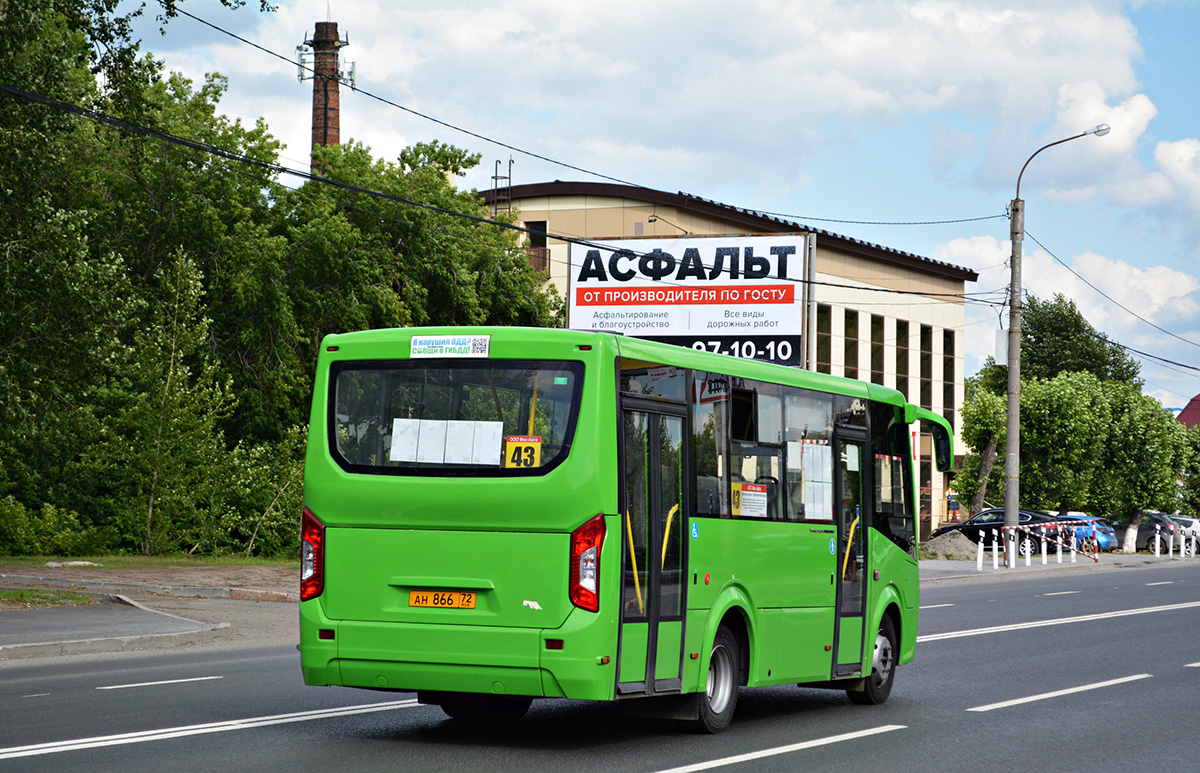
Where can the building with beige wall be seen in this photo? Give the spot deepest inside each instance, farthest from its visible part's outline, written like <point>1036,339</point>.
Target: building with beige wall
<point>872,312</point>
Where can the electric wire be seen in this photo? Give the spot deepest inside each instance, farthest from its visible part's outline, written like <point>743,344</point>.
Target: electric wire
<point>1106,296</point>
<point>541,157</point>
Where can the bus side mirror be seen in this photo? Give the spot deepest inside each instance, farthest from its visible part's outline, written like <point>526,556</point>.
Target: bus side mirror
<point>942,453</point>
<point>910,413</point>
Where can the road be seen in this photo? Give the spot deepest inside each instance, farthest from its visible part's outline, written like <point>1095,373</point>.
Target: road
<point>1068,671</point>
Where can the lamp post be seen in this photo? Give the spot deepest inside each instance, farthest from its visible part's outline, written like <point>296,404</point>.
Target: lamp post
<point>1012,445</point>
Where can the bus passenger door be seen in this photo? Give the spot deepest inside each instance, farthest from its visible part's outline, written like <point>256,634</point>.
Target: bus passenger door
<point>850,482</point>
<point>651,643</point>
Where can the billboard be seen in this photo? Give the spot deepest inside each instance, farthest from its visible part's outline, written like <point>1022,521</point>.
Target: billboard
<point>737,295</point>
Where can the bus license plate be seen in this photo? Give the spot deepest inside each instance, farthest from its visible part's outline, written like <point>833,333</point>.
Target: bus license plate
<point>442,599</point>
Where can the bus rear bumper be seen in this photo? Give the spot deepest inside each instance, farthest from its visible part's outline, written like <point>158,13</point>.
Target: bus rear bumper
<point>559,663</point>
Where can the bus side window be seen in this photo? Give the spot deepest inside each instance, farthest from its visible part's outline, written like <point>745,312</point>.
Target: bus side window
<point>892,514</point>
<point>710,443</point>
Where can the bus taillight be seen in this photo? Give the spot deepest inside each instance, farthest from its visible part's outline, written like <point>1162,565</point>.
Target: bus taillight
<point>585,564</point>
<point>312,556</point>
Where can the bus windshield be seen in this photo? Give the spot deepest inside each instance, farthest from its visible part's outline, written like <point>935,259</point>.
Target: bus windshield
<point>449,417</point>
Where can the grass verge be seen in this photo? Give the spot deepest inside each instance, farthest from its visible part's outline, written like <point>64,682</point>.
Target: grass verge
<point>28,598</point>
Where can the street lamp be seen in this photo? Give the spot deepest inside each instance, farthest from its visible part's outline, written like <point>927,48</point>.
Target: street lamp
<point>1012,445</point>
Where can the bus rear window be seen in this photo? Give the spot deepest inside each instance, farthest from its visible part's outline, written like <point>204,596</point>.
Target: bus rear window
<point>447,417</point>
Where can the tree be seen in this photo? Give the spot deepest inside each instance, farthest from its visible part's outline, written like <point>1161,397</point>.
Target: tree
<point>1055,338</point>
<point>1144,455</point>
<point>1064,423</point>
<point>983,430</point>
<point>160,464</point>
<point>1190,492</point>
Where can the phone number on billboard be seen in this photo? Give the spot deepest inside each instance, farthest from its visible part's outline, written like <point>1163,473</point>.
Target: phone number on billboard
<point>784,350</point>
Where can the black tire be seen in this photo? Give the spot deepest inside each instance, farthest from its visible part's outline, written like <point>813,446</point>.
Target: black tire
<point>478,709</point>
<point>1162,544</point>
<point>1027,545</point>
<point>877,686</point>
<point>719,699</point>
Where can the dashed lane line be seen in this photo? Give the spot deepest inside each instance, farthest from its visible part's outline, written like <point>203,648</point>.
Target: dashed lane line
<point>156,684</point>
<point>1059,693</point>
<point>162,734</point>
<point>1057,621</point>
<point>795,747</point>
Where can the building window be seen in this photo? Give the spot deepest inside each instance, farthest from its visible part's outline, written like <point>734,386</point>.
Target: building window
<point>876,349</point>
<point>851,341</point>
<point>948,376</point>
<point>902,357</point>
<point>539,251</point>
<point>824,339</point>
<point>927,367</point>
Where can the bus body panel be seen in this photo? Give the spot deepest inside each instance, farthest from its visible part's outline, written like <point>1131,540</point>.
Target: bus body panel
<point>512,579</point>
<point>786,572</point>
<point>898,584</point>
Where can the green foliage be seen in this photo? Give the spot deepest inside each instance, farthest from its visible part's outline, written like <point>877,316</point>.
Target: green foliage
<point>1089,438</point>
<point>1055,338</point>
<point>1064,423</point>
<point>1145,449</point>
<point>1190,491</point>
<point>161,310</point>
<point>984,428</point>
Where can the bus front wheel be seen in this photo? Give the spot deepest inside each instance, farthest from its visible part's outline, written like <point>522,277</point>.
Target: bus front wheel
<point>877,686</point>
<point>720,696</point>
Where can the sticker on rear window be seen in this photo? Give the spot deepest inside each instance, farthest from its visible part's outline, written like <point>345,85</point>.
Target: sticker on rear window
<point>449,346</point>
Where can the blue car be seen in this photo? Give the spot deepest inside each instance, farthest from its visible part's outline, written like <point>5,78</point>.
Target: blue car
<point>1105,536</point>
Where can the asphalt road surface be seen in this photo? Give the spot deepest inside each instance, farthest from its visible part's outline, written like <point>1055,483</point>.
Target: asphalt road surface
<point>1092,671</point>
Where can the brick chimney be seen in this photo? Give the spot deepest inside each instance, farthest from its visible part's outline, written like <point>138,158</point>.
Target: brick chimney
<point>326,101</point>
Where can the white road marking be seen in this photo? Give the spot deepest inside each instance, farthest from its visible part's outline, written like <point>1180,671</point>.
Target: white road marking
<point>1165,582</point>
<point>937,606</point>
<point>783,749</point>
<point>1058,693</point>
<point>1061,593</point>
<point>1192,665</point>
<point>213,727</point>
<point>1058,621</point>
<point>36,695</point>
<point>155,684</point>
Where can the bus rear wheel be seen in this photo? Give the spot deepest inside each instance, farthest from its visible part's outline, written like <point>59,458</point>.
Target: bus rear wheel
<point>877,686</point>
<point>720,696</point>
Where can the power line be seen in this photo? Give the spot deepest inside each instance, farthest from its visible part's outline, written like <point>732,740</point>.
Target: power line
<point>1108,297</point>
<point>416,113</point>
<point>881,222</point>
<point>276,168</point>
<point>547,159</point>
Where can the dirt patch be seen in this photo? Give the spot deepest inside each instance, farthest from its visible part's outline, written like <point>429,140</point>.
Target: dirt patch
<point>275,579</point>
<point>952,545</point>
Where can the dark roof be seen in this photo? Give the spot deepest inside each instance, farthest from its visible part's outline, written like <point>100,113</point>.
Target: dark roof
<point>754,222</point>
<point>1190,415</point>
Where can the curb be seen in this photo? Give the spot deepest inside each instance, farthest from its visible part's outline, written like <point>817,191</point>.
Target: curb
<point>237,594</point>
<point>117,643</point>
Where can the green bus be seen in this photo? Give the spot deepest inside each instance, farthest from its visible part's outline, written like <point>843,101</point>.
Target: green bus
<point>494,515</point>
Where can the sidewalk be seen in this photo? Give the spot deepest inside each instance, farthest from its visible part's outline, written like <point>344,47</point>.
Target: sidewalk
<point>128,612</point>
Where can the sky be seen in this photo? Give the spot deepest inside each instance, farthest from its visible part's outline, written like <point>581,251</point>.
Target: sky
<point>903,123</point>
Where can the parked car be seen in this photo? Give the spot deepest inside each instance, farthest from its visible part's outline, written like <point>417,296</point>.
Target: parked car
<point>981,525</point>
<point>1189,528</point>
<point>1154,525</point>
<point>1104,534</point>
